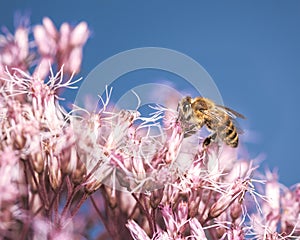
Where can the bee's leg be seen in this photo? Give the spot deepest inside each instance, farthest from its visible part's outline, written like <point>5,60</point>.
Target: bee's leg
<point>209,139</point>
<point>189,131</point>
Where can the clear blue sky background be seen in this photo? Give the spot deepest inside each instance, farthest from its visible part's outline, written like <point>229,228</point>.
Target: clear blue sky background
<point>250,48</point>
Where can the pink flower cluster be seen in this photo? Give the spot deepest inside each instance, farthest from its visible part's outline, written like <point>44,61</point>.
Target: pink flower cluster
<point>65,175</point>
<point>63,47</point>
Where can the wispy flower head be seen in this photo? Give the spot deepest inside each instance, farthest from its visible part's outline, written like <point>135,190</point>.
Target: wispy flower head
<point>121,152</point>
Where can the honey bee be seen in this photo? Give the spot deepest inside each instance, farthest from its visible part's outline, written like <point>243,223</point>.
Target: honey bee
<point>194,113</point>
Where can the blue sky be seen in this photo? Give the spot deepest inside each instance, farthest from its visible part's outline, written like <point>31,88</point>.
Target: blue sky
<point>250,48</point>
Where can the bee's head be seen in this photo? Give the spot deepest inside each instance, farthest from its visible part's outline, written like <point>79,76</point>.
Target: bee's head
<point>184,109</point>
<point>185,104</point>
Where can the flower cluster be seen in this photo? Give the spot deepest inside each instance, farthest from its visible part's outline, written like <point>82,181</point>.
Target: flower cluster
<point>66,174</point>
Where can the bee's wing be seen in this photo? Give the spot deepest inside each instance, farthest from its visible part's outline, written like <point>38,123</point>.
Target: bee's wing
<point>233,114</point>
<point>237,126</point>
<point>213,118</point>
<point>218,114</point>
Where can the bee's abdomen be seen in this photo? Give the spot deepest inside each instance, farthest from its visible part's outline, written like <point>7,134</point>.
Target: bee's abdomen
<point>228,133</point>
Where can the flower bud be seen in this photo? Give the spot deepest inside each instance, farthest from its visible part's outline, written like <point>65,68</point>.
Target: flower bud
<point>220,231</point>
<point>92,186</point>
<point>50,28</point>
<point>111,197</point>
<point>54,172</point>
<point>37,161</point>
<point>236,233</point>
<point>194,206</point>
<point>236,210</point>
<point>234,192</point>
<point>19,141</point>
<point>79,34</point>
<point>197,229</point>
<point>182,212</point>
<point>156,197</point>
<point>33,187</point>
<point>21,38</point>
<point>68,160</point>
<point>79,173</point>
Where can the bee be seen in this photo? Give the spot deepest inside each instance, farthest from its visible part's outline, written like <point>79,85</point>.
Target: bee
<point>194,113</point>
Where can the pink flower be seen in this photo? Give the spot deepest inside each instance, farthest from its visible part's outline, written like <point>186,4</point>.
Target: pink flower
<point>15,50</point>
<point>235,191</point>
<point>196,229</point>
<point>290,216</point>
<point>9,176</point>
<point>64,46</point>
<point>271,207</point>
<point>236,233</point>
<point>136,231</point>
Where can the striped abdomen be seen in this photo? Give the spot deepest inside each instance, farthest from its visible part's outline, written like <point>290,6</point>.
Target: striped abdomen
<point>225,130</point>
<point>228,132</point>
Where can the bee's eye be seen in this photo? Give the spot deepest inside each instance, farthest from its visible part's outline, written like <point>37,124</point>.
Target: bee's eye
<point>186,106</point>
